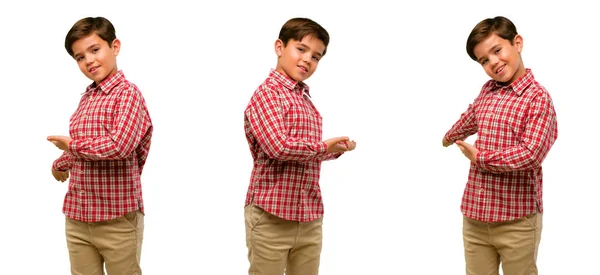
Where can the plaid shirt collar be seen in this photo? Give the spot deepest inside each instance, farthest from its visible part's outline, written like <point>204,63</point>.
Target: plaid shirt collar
<point>107,84</point>
<point>289,83</point>
<point>519,85</point>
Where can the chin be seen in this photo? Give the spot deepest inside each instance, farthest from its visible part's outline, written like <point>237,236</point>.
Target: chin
<point>298,79</point>
<point>100,77</point>
<point>505,79</point>
<point>501,79</point>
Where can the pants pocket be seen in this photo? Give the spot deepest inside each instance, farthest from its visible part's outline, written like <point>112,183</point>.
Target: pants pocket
<point>253,215</point>
<point>131,219</point>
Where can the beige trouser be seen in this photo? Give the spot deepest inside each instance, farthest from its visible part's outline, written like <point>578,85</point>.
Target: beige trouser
<point>276,245</point>
<point>514,243</point>
<point>116,243</point>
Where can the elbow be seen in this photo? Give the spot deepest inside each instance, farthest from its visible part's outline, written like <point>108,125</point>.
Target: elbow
<point>528,164</point>
<point>532,161</point>
<point>535,162</point>
<point>119,153</point>
<point>278,153</point>
<point>123,154</point>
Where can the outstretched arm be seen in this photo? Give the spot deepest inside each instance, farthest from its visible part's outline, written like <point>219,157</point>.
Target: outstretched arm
<point>266,120</point>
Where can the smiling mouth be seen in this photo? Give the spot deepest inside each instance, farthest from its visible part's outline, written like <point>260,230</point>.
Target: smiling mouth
<point>501,69</point>
<point>303,69</point>
<point>93,69</point>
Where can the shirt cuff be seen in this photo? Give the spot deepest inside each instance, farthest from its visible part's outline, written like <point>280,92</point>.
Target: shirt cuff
<point>481,156</point>
<point>62,163</point>
<point>55,166</point>
<point>72,147</point>
<point>321,148</point>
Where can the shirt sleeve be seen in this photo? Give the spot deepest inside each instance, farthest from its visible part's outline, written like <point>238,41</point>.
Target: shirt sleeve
<point>266,118</point>
<point>64,162</point>
<point>129,126</point>
<point>330,156</point>
<point>465,126</point>
<point>535,143</point>
<point>144,149</point>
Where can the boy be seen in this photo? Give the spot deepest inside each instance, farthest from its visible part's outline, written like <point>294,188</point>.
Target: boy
<point>283,208</point>
<point>516,125</point>
<point>105,153</point>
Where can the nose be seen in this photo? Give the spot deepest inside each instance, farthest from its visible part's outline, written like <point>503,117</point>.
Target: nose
<point>494,60</point>
<point>306,57</point>
<point>89,59</point>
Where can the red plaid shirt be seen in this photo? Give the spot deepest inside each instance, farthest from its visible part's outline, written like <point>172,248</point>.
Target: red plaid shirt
<point>111,131</point>
<point>283,130</point>
<point>516,127</point>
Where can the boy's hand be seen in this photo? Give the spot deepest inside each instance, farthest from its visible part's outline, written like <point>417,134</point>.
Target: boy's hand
<point>445,142</point>
<point>468,150</point>
<point>350,145</point>
<point>60,175</point>
<point>62,142</point>
<point>337,145</point>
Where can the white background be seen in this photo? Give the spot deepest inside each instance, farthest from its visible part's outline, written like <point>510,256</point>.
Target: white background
<point>395,79</point>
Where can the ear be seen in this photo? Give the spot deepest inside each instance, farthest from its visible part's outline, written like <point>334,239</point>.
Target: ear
<point>518,42</point>
<point>279,47</point>
<point>116,46</point>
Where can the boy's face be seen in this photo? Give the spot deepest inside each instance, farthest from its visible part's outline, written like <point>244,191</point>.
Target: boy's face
<point>501,60</point>
<point>95,58</point>
<point>299,59</point>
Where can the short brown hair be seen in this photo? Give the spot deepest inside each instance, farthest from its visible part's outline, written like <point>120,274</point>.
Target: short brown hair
<point>298,28</point>
<point>86,26</point>
<point>499,25</point>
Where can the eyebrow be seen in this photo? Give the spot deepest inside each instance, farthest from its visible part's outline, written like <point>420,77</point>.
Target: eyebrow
<point>306,46</point>
<point>491,50</point>
<point>91,46</point>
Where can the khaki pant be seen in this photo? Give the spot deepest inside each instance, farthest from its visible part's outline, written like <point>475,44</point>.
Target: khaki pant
<point>276,245</point>
<point>115,243</point>
<point>514,243</point>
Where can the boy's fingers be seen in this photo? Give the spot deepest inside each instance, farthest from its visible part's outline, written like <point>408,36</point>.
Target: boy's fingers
<point>341,139</point>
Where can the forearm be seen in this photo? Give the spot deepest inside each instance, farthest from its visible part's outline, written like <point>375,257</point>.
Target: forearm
<point>463,128</point>
<point>101,148</point>
<point>292,149</point>
<point>330,156</point>
<point>518,158</point>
